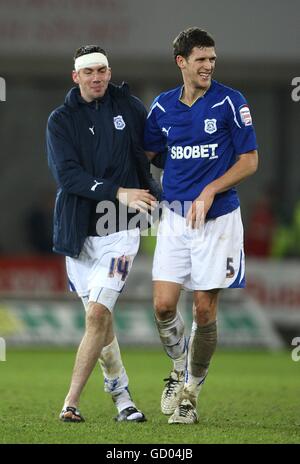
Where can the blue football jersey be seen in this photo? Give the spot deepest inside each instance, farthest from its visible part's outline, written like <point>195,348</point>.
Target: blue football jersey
<point>203,141</point>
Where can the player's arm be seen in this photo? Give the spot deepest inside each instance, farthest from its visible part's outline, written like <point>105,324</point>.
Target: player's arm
<point>155,143</point>
<point>245,166</point>
<point>238,116</point>
<point>146,180</point>
<point>65,165</point>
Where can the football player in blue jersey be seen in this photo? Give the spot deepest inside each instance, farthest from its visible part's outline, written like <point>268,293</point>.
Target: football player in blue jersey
<point>204,131</point>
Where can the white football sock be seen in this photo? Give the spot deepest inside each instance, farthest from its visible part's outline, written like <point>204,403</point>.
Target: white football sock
<point>171,333</point>
<point>110,360</point>
<point>116,380</point>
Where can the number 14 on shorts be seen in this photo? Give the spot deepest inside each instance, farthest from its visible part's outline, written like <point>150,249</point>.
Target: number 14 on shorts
<point>119,266</point>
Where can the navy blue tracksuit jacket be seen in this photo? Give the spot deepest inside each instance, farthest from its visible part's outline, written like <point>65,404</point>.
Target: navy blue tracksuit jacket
<point>89,143</point>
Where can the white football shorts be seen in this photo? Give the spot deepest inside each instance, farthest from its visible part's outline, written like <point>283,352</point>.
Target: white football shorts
<point>103,262</point>
<point>207,258</point>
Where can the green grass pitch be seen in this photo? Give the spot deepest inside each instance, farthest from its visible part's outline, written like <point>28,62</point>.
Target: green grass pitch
<point>249,397</point>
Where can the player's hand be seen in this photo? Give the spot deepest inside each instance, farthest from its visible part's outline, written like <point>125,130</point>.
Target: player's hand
<point>197,213</point>
<point>138,199</point>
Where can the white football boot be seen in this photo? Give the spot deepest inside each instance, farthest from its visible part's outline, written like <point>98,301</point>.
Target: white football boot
<point>185,413</point>
<point>171,394</point>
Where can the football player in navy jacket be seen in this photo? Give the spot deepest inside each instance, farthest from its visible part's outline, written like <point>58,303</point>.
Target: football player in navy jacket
<point>95,152</point>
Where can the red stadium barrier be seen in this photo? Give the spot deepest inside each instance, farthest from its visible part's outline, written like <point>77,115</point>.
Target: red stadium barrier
<point>32,275</point>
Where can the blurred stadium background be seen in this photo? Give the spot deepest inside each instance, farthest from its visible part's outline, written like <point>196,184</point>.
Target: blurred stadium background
<point>258,49</point>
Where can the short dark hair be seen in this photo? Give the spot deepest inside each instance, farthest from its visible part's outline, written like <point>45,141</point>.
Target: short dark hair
<point>86,49</point>
<point>192,37</point>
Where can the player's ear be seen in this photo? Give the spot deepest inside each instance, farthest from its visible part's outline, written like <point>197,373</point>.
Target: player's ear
<point>180,60</point>
<point>75,77</point>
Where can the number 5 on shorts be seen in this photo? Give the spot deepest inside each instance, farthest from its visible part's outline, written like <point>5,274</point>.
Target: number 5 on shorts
<point>230,269</point>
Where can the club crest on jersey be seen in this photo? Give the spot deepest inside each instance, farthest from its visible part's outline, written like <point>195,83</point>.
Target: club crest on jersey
<point>245,115</point>
<point>119,122</point>
<point>210,126</point>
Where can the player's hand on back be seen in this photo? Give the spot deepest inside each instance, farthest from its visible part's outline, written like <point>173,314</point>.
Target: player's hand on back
<point>138,199</point>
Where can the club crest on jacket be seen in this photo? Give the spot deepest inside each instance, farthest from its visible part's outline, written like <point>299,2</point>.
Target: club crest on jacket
<point>119,122</point>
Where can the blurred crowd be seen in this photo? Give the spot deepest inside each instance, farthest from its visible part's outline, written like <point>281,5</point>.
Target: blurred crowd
<point>268,233</point>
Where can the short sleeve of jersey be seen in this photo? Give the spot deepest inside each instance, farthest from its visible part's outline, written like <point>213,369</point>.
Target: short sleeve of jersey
<point>240,124</point>
<point>154,139</point>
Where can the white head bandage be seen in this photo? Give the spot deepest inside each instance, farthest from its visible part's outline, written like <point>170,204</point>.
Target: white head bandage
<point>90,59</point>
